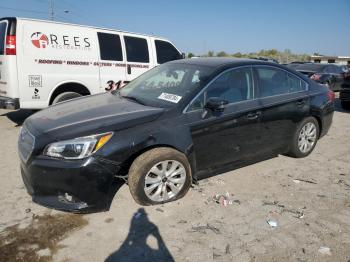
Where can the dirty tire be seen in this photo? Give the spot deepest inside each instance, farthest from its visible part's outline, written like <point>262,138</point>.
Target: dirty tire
<point>65,96</point>
<point>345,105</point>
<point>294,147</point>
<point>142,165</point>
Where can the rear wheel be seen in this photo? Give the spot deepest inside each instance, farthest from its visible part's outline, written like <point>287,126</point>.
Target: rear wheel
<point>158,176</point>
<point>65,96</point>
<point>305,138</point>
<point>345,105</point>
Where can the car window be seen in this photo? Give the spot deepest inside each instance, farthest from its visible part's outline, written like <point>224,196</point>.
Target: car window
<point>166,52</point>
<point>136,49</point>
<point>110,47</point>
<point>274,81</point>
<point>233,86</point>
<point>2,37</point>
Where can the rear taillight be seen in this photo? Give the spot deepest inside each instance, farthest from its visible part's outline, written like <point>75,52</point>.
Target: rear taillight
<point>10,45</point>
<point>316,77</point>
<point>331,96</point>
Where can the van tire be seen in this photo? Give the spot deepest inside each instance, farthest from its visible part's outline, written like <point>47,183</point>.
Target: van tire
<point>141,167</point>
<point>65,96</point>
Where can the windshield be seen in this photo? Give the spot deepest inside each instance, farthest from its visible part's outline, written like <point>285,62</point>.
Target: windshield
<point>166,85</point>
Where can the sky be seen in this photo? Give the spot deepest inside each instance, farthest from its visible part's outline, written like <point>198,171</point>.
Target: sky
<point>197,26</point>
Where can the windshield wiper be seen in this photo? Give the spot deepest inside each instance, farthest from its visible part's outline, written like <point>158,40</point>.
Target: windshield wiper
<point>134,99</point>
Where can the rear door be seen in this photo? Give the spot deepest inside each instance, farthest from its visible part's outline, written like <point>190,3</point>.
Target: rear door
<point>112,61</point>
<point>8,62</point>
<point>284,102</point>
<point>3,28</point>
<point>139,57</point>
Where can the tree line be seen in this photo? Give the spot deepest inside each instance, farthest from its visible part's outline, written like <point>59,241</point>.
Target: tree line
<point>283,57</point>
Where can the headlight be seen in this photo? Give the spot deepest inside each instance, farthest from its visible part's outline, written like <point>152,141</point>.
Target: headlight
<point>77,148</point>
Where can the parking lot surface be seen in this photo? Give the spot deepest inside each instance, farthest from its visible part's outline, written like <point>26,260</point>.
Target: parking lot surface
<point>306,202</point>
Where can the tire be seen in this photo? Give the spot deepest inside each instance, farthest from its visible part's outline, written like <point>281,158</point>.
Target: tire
<point>295,148</point>
<point>345,105</point>
<point>140,171</point>
<point>65,96</point>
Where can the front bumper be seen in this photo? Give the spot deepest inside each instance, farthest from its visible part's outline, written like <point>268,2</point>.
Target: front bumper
<point>79,186</point>
<point>9,103</point>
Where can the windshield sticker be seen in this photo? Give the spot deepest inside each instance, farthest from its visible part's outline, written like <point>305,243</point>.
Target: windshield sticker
<point>170,97</point>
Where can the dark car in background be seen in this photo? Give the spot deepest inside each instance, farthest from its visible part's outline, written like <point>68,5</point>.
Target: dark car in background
<point>179,122</point>
<point>332,75</point>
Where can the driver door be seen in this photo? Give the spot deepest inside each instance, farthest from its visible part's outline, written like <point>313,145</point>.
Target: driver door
<point>230,136</point>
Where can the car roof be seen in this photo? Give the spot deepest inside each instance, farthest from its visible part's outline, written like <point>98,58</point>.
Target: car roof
<point>216,62</point>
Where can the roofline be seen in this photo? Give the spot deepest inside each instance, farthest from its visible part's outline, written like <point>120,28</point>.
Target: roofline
<point>329,57</point>
<point>80,25</point>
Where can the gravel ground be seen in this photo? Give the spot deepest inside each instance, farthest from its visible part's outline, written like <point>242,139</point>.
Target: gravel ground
<point>308,198</point>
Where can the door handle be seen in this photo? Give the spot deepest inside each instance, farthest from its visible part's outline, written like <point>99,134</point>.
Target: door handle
<point>301,102</point>
<point>252,116</point>
<point>129,70</point>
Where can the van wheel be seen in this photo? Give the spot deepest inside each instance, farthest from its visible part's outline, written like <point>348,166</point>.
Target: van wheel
<point>65,96</point>
<point>158,176</point>
<point>305,138</point>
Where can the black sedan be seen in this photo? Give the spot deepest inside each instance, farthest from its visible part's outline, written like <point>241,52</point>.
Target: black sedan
<point>177,123</point>
<point>332,75</point>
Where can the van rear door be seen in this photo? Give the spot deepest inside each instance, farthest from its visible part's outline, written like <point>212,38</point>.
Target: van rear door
<point>3,27</point>
<point>8,62</point>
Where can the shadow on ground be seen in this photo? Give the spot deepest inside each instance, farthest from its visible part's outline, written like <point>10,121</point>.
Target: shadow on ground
<point>18,116</point>
<point>338,107</point>
<point>135,246</point>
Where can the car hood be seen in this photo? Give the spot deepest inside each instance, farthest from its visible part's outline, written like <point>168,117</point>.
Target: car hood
<point>90,115</point>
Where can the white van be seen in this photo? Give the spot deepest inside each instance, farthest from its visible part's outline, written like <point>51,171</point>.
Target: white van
<point>44,62</point>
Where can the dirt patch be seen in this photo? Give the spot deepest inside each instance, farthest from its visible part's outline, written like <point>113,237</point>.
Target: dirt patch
<point>38,241</point>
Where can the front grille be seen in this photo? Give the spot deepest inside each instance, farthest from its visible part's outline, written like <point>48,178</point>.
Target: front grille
<point>26,143</point>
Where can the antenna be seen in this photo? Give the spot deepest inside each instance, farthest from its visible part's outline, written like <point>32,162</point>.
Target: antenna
<point>51,10</point>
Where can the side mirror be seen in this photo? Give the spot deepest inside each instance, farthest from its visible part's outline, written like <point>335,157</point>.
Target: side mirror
<point>216,104</point>
<point>183,55</point>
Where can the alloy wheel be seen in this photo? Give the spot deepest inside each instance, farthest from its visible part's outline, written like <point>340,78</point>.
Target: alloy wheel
<point>307,137</point>
<point>165,180</point>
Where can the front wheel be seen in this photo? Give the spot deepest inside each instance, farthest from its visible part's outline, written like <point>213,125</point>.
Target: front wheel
<point>305,138</point>
<point>158,176</point>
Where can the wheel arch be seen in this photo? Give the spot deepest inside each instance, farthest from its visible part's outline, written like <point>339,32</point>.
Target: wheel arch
<point>69,86</point>
<point>128,162</point>
<point>319,121</point>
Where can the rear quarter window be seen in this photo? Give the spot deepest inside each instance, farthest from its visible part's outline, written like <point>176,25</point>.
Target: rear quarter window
<point>274,81</point>
<point>2,37</point>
